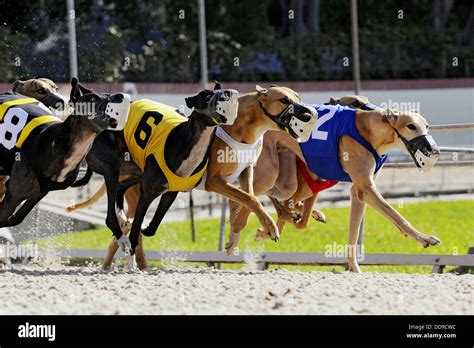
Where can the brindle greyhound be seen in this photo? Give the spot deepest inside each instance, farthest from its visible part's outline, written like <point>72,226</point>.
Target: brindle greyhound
<point>41,89</point>
<point>258,112</point>
<point>42,154</point>
<point>384,130</point>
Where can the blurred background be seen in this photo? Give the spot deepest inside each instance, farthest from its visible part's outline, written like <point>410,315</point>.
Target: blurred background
<point>158,41</point>
<point>412,55</point>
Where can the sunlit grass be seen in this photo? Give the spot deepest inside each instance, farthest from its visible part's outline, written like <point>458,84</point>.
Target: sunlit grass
<point>452,222</point>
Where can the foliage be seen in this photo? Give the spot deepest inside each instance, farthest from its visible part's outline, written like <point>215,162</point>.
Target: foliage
<point>146,40</point>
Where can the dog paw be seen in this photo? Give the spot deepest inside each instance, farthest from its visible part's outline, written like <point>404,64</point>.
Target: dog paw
<point>105,267</point>
<point>148,232</point>
<point>261,235</point>
<point>271,229</point>
<point>125,245</point>
<point>297,217</point>
<point>353,266</point>
<point>131,265</point>
<point>426,240</point>
<point>232,243</point>
<point>319,216</point>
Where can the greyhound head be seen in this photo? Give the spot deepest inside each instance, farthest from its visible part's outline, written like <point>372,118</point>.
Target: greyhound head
<point>103,109</point>
<point>43,90</point>
<point>412,137</point>
<point>283,107</point>
<point>218,106</point>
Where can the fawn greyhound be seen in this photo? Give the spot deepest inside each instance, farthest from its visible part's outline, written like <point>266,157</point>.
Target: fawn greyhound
<point>276,108</point>
<point>345,145</point>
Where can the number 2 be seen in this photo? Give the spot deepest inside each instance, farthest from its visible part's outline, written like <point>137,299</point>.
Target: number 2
<point>13,123</point>
<point>318,134</point>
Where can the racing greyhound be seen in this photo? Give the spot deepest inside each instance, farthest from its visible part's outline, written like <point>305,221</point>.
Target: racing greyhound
<point>345,145</point>
<point>41,153</point>
<point>45,91</point>
<point>160,149</point>
<point>41,89</point>
<point>277,108</point>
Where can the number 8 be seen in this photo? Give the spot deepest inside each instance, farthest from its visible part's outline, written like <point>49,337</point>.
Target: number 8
<point>10,130</point>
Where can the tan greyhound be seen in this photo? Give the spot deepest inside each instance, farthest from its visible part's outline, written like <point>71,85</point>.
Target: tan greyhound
<point>384,130</point>
<point>236,148</point>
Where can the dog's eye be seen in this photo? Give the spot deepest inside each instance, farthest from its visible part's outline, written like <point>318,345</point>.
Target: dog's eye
<point>285,101</point>
<point>41,91</point>
<point>411,127</point>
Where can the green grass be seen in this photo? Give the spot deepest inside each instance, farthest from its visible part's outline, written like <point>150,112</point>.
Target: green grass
<point>452,222</point>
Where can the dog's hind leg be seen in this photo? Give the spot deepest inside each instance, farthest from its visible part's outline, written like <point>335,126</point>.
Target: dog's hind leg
<point>19,215</point>
<point>239,215</point>
<point>358,208</point>
<point>22,186</point>
<point>286,183</point>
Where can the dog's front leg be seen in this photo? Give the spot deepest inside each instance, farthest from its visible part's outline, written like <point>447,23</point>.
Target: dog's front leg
<point>165,203</point>
<point>374,199</point>
<point>239,213</point>
<point>111,182</point>
<point>357,213</point>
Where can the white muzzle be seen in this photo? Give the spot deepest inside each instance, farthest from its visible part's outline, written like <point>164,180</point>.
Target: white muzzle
<point>119,111</point>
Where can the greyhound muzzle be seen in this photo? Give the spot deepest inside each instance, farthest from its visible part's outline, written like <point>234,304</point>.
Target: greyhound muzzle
<point>223,106</point>
<point>54,101</point>
<point>118,111</point>
<point>297,119</point>
<point>424,151</point>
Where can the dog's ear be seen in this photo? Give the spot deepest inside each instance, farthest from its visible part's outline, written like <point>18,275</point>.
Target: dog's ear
<point>75,91</point>
<point>273,85</point>
<point>390,116</point>
<point>332,101</point>
<point>17,85</point>
<point>217,85</point>
<point>261,91</point>
<point>190,102</point>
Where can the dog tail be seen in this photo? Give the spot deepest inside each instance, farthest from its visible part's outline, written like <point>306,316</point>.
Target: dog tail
<point>89,202</point>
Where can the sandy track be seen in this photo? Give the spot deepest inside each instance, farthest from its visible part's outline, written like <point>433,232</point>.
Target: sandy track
<point>85,290</point>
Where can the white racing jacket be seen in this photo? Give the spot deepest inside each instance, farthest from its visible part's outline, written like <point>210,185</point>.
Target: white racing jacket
<point>243,154</point>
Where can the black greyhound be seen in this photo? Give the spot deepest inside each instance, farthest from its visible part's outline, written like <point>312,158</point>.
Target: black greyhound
<point>185,153</point>
<point>42,154</point>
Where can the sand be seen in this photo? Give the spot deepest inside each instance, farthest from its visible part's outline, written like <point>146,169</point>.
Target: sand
<point>33,289</point>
